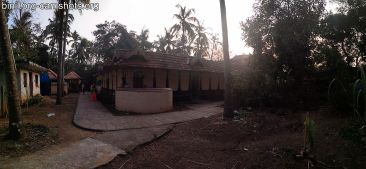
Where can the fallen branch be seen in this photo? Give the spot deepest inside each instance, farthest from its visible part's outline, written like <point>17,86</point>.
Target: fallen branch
<point>124,163</point>
<point>312,160</point>
<point>275,154</point>
<point>167,166</point>
<point>234,166</point>
<point>195,162</point>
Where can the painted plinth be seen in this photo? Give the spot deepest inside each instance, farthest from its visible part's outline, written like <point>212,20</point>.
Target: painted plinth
<point>144,101</point>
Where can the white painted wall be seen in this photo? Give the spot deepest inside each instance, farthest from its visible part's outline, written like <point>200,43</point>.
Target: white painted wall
<point>23,77</point>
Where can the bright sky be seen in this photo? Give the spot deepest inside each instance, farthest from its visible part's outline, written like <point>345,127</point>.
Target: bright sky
<point>157,14</point>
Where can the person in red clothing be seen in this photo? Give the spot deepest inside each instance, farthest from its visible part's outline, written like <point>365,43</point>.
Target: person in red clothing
<point>93,95</point>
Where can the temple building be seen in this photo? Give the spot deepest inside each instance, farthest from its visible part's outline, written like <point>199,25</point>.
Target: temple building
<point>188,77</point>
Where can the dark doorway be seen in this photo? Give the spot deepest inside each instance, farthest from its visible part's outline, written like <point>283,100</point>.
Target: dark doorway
<point>195,85</point>
<point>138,79</point>
<point>30,84</point>
<point>2,102</point>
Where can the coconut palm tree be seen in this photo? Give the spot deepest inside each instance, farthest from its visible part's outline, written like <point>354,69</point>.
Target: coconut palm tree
<point>21,35</point>
<point>67,31</point>
<point>228,107</point>
<point>37,34</point>
<point>62,21</point>
<point>6,53</point>
<point>68,19</point>
<point>81,49</point>
<point>60,15</point>
<point>84,51</point>
<point>143,40</point>
<point>159,45</point>
<point>165,43</point>
<point>185,26</point>
<point>169,39</point>
<point>75,40</point>
<point>50,34</point>
<point>201,44</point>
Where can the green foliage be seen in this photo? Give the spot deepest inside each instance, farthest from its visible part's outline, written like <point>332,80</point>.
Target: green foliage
<point>34,100</point>
<point>28,39</point>
<point>344,98</point>
<point>143,40</point>
<point>254,87</point>
<point>21,35</point>
<point>165,43</point>
<point>82,49</point>
<point>346,31</point>
<point>110,36</point>
<point>283,34</point>
<point>185,28</point>
<point>359,97</point>
<point>338,96</point>
<point>282,30</point>
<point>201,44</point>
<point>51,33</point>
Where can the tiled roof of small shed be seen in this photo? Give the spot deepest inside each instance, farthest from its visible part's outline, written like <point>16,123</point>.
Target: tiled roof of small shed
<point>51,74</point>
<point>72,76</point>
<point>164,61</point>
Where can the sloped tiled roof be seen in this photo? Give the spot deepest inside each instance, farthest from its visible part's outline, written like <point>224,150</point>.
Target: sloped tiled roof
<point>163,61</point>
<point>51,74</point>
<point>239,60</point>
<point>72,76</point>
<point>31,66</point>
<point>239,64</point>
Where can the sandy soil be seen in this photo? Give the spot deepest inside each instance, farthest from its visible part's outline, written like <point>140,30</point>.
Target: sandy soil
<point>42,131</point>
<point>261,140</point>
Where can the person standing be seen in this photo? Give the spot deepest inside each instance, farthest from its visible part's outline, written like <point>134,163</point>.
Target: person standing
<point>83,88</point>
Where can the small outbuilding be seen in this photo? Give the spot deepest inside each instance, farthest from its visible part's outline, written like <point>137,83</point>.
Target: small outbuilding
<point>28,74</point>
<point>49,83</point>
<point>28,78</point>
<point>74,81</point>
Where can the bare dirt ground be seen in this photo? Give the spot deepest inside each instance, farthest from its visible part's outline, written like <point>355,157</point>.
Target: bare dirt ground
<point>261,140</point>
<point>42,131</point>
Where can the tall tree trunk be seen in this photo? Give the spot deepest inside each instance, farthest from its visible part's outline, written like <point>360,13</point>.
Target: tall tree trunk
<point>64,44</point>
<point>228,107</point>
<point>11,80</point>
<point>60,20</point>
<point>184,40</point>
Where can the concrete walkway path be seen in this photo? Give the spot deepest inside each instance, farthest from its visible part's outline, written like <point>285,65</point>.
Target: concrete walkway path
<point>94,116</point>
<point>87,153</point>
<point>121,135</point>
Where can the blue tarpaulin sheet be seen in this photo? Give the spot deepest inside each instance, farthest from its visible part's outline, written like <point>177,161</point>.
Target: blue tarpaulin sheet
<point>44,78</point>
